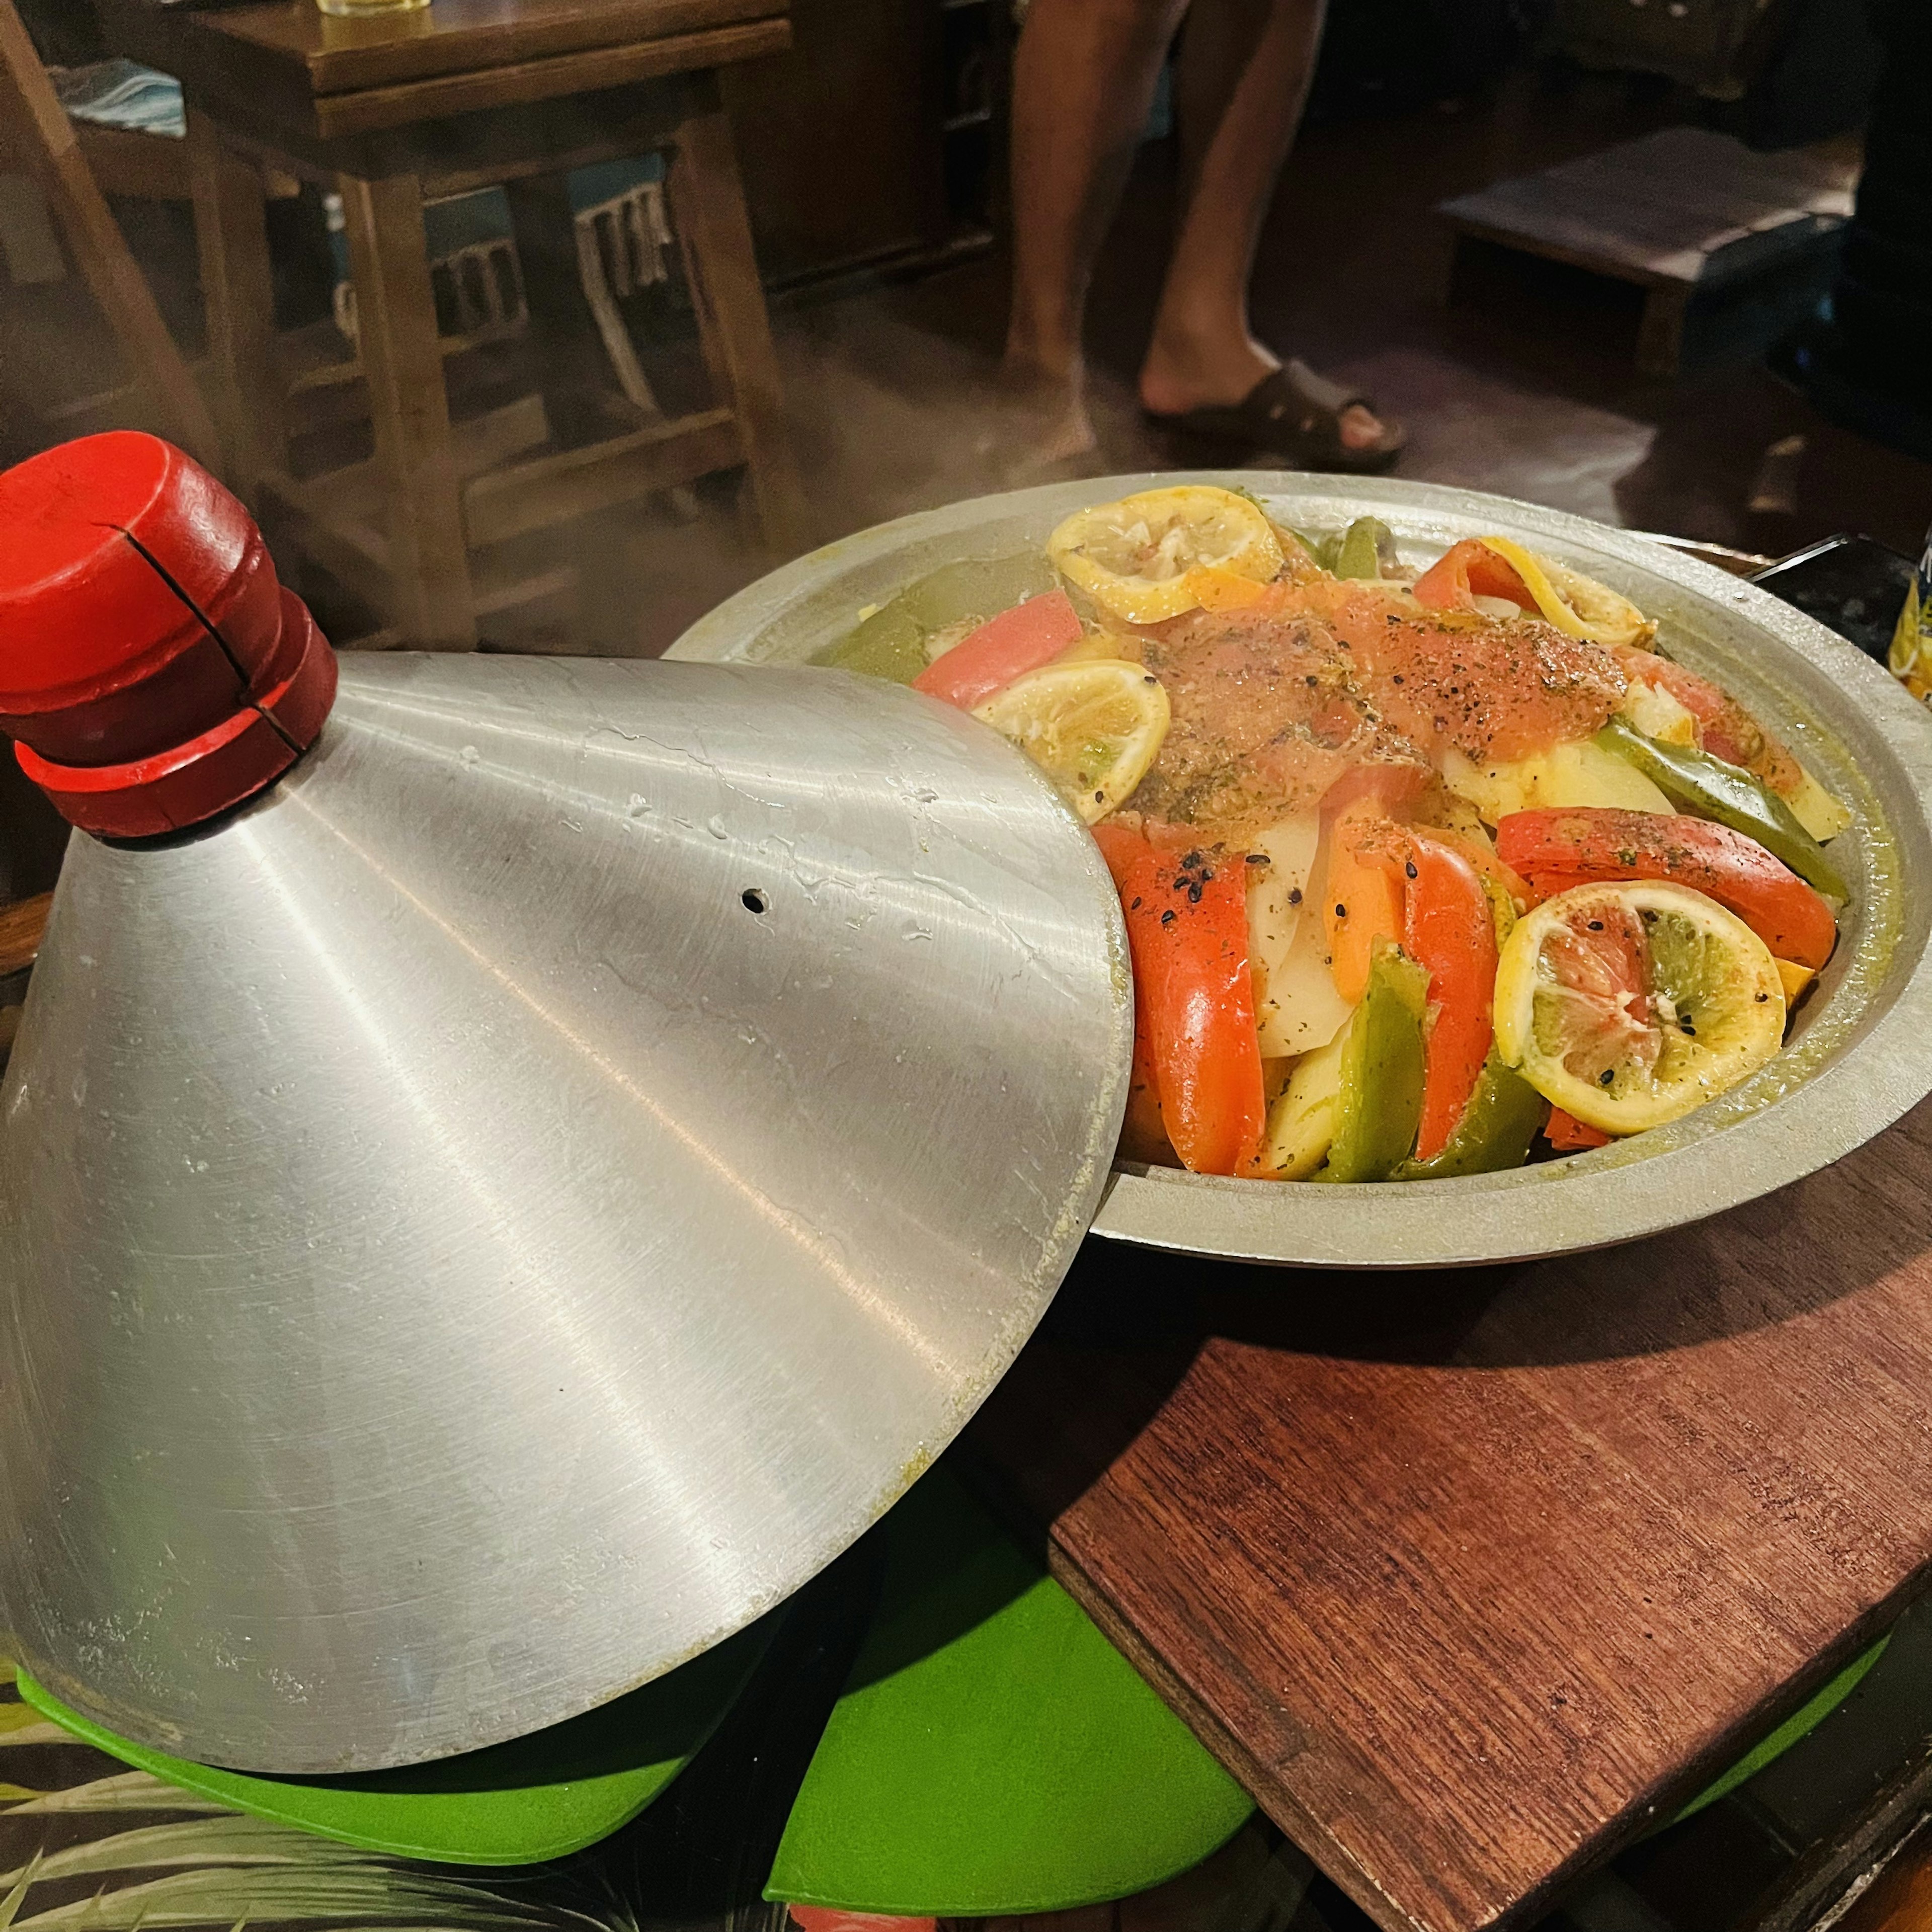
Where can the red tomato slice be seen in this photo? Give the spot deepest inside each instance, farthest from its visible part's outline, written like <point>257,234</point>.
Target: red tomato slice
<point>1568,1134</point>
<point>1465,572</point>
<point>832,1919</point>
<point>1187,928</point>
<point>1448,926</point>
<point>1559,849</point>
<point>1002,649</point>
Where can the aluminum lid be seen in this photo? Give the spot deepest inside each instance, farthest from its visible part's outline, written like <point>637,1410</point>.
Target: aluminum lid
<point>492,1215</point>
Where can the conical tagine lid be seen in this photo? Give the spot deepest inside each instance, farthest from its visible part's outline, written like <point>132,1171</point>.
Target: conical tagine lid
<point>489,1213</point>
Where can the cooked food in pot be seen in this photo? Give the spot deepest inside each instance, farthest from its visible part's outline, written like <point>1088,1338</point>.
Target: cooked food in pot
<point>1424,875</point>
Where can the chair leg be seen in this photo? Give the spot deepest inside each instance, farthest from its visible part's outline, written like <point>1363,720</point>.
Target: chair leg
<point>617,344</point>
<point>33,124</point>
<point>238,288</point>
<point>395,306</point>
<point>707,201</point>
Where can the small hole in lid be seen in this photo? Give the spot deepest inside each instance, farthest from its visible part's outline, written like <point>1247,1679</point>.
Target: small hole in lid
<point>752,900</point>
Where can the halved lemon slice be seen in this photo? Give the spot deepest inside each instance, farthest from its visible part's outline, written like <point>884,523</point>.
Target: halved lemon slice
<point>1630,1005</point>
<point>1134,557</point>
<point>1093,726</point>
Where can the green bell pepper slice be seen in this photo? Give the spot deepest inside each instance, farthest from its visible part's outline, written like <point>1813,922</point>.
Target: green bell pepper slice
<point>1379,1106</point>
<point>1731,796</point>
<point>1367,545</point>
<point>892,643</point>
<point>1504,1115</point>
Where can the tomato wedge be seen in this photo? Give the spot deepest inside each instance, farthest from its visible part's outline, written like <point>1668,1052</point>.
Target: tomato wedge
<point>1002,649</point>
<point>1465,572</point>
<point>1447,927</point>
<point>1568,1134</point>
<point>1558,849</point>
<point>833,1918</point>
<point>1187,929</point>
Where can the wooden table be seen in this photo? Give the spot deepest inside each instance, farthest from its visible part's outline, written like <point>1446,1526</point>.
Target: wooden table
<point>403,108</point>
<point>1473,1577</point>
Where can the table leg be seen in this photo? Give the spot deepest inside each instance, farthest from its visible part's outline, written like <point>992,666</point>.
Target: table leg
<point>238,288</point>
<point>570,366</point>
<point>396,326</point>
<point>707,207</point>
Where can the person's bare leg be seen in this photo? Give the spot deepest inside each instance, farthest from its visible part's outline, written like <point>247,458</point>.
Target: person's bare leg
<point>1245,69</point>
<point>1084,77</point>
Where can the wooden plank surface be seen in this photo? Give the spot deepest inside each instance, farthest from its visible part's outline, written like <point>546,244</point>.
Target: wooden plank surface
<point>369,110</point>
<point>1659,208</point>
<point>23,925</point>
<point>1471,1577</point>
<point>293,43</point>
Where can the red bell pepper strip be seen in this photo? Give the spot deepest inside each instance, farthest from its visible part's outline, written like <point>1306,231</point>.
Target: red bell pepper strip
<point>1448,926</point>
<point>1187,929</point>
<point>1559,849</point>
<point>1465,572</point>
<point>1002,649</point>
<point>1568,1134</point>
<point>1725,728</point>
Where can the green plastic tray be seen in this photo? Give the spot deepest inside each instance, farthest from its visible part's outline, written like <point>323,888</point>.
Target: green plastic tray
<point>539,1797</point>
<point>992,1753</point>
<point>1799,1725</point>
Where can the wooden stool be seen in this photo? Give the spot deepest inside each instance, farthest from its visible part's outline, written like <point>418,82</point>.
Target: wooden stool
<point>405,108</point>
<point>36,135</point>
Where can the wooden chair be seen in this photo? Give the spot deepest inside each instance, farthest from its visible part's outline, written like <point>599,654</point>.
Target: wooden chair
<point>37,136</point>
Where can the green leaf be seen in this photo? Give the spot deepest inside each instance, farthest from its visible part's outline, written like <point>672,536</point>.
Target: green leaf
<point>127,1791</point>
<point>1800,1724</point>
<point>232,1840</point>
<point>992,1754</point>
<point>22,1724</point>
<point>11,1794</point>
<point>221,1895</point>
<point>9,1906</point>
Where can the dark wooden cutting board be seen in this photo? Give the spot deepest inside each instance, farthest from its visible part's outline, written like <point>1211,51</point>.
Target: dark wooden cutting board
<point>1472,1577</point>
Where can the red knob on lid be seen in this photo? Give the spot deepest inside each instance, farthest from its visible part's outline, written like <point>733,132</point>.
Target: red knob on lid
<point>151,666</point>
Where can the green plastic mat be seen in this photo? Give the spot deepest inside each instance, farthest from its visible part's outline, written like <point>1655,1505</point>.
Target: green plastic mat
<point>1799,1725</point>
<point>992,1753</point>
<point>539,1797</point>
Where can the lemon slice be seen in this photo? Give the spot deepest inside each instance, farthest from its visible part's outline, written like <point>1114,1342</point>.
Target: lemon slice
<point>1093,726</point>
<point>1573,602</point>
<point>1630,1005</point>
<point>1134,557</point>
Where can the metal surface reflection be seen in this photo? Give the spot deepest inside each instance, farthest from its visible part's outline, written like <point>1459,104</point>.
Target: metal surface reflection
<point>488,1219</point>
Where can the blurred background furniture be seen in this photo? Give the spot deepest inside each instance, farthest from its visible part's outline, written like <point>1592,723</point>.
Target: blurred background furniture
<point>67,164</point>
<point>1692,217</point>
<point>411,109</point>
<point>877,142</point>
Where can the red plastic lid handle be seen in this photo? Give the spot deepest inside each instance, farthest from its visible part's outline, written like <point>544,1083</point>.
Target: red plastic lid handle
<point>152,668</point>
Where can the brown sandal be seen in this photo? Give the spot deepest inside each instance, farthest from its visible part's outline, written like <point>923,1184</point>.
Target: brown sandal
<point>1294,413</point>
